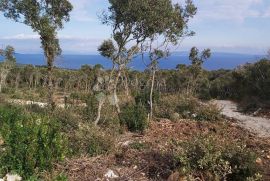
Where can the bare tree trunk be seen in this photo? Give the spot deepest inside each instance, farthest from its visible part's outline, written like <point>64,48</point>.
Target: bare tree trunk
<point>151,94</point>
<point>126,85</point>
<point>115,92</point>
<point>50,84</point>
<point>100,105</point>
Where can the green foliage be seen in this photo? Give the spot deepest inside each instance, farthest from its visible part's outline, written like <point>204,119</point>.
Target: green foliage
<point>61,177</point>
<point>216,159</point>
<point>45,18</point>
<point>8,54</point>
<point>107,49</point>
<point>250,80</point>
<point>92,141</point>
<point>198,59</point>
<point>92,105</point>
<point>143,98</point>
<point>31,143</point>
<point>134,117</point>
<point>186,107</point>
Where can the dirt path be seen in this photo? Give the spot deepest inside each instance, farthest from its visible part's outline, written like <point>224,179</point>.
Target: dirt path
<point>258,125</point>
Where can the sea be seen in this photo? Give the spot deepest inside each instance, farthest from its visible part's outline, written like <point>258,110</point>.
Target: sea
<point>217,61</point>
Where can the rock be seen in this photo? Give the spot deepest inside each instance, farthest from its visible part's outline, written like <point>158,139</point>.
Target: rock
<point>259,161</point>
<point>126,143</point>
<point>10,177</point>
<point>110,174</point>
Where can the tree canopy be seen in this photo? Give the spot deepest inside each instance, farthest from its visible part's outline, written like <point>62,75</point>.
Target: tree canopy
<point>44,16</point>
<point>8,54</point>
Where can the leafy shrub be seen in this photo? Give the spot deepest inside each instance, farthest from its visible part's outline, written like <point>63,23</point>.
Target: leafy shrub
<point>250,104</point>
<point>8,90</point>
<point>31,143</point>
<point>143,98</point>
<point>187,108</point>
<point>208,112</point>
<point>216,159</point>
<point>134,117</point>
<point>166,107</point>
<point>92,141</point>
<point>91,108</point>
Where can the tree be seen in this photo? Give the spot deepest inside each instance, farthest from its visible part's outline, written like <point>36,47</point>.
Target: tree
<point>8,63</point>
<point>268,54</point>
<point>169,25</point>
<point>45,18</point>
<point>135,22</point>
<point>197,59</point>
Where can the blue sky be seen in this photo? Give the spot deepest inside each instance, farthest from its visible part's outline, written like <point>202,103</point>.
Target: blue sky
<point>238,26</point>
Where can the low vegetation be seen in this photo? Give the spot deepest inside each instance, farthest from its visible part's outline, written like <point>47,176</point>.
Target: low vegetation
<point>215,158</point>
<point>92,123</point>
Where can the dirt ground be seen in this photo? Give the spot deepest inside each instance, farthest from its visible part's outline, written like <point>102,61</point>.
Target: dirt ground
<point>147,157</point>
<point>258,125</point>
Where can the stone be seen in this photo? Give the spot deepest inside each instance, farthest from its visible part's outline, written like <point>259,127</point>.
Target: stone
<point>15,177</point>
<point>259,161</point>
<point>110,174</point>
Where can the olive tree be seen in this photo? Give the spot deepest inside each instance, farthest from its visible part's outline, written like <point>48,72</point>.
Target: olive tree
<point>8,63</point>
<point>45,17</point>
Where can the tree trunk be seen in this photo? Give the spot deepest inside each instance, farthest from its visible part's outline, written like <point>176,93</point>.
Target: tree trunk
<point>151,94</point>
<point>115,92</point>
<point>50,83</point>
<point>126,85</point>
<point>100,105</point>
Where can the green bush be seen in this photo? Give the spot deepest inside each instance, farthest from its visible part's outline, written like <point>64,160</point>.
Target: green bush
<point>134,117</point>
<point>144,97</point>
<point>216,159</point>
<point>187,108</point>
<point>31,143</point>
<point>91,108</point>
<point>92,141</point>
<point>208,112</point>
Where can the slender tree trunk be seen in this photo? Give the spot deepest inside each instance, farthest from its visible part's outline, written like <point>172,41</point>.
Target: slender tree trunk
<point>50,83</point>
<point>100,105</point>
<point>126,85</point>
<point>151,94</point>
<point>115,92</point>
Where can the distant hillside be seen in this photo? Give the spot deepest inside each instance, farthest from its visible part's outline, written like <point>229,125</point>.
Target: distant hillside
<point>217,61</point>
